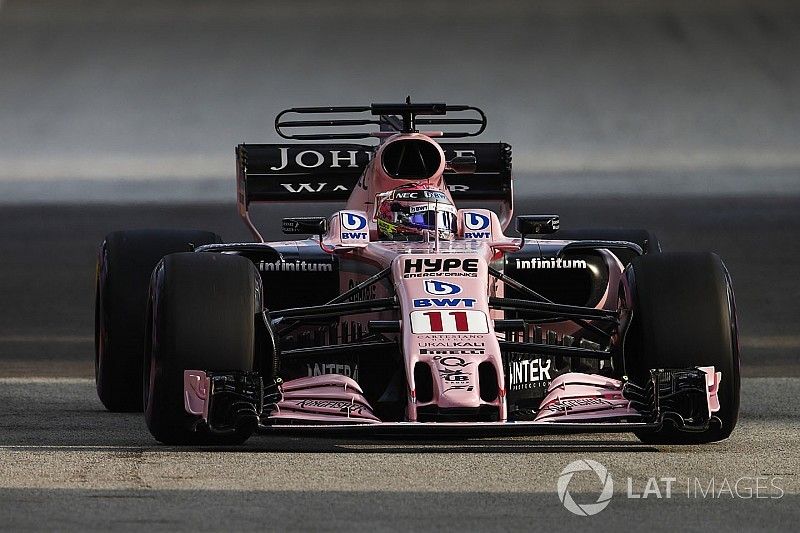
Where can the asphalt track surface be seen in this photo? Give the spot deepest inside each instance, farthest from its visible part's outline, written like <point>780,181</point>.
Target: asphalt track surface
<point>65,463</point>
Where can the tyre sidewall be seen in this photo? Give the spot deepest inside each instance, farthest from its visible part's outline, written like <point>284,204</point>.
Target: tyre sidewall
<point>202,316</point>
<point>685,316</point>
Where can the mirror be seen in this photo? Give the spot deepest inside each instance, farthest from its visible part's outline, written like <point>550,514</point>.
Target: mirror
<point>305,225</point>
<point>537,224</point>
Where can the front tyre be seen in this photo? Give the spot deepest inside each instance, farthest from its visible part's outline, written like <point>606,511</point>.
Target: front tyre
<point>684,315</point>
<point>201,316</point>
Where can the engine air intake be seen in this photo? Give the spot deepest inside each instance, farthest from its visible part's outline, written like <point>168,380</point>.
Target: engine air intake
<point>411,159</point>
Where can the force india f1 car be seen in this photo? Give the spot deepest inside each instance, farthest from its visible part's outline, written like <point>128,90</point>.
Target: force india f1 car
<point>402,314</point>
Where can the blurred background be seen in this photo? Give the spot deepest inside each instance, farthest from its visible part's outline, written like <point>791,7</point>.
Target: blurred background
<point>682,117</point>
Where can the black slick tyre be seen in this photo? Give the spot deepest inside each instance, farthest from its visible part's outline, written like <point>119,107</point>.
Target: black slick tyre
<point>684,315</point>
<point>201,315</point>
<point>124,264</point>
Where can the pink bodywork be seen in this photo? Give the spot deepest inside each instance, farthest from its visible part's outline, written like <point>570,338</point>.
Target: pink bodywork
<point>454,370</point>
<point>452,333</point>
<point>337,399</point>
<point>196,385</point>
<point>582,397</point>
<point>332,399</point>
<point>713,379</point>
<point>577,396</point>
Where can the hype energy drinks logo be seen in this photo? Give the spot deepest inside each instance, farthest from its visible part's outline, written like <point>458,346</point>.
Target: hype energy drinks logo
<point>425,267</point>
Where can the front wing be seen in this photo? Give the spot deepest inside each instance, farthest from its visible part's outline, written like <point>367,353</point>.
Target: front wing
<point>334,405</point>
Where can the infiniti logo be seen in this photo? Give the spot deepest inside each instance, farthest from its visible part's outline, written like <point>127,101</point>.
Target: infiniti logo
<point>585,509</point>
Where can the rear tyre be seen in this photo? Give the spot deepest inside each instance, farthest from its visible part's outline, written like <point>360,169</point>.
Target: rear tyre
<point>202,311</point>
<point>124,264</point>
<point>684,315</point>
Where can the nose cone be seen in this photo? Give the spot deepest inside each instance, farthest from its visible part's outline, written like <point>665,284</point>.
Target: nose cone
<point>449,334</point>
<point>456,379</point>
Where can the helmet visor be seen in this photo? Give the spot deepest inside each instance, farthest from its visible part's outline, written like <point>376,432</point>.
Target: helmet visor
<point>428,220</point>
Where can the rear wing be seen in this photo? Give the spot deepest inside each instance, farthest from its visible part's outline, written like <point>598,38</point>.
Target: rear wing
<point>329,172</point>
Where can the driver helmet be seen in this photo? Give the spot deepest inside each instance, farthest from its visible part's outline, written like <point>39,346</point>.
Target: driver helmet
<point>413,212</point>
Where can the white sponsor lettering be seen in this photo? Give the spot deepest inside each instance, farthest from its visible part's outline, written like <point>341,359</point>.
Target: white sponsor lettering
<point>284,159</point>
<point>294,266</point>
<point>528,373</point>
<point>336,159</point>
<point>300,187</point>
<point>318,159</point>
<point>557,262</point>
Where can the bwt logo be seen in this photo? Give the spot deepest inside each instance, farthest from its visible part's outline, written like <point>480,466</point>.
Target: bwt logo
<point>444,302</point>
<point>441,288</point>
<point>353,223</point>
<point>477,224</point>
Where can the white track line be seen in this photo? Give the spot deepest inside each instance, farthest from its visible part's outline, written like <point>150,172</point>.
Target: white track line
<point>43,380</point>
<point>771,341</point>
<point>56,339</point>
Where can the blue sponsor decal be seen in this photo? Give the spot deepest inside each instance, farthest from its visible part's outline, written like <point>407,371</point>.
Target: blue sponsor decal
<point>444,302</point>
<point>475,221</point>
<point>353,223</point>
<point>477,225</point>
<point>441,288</point>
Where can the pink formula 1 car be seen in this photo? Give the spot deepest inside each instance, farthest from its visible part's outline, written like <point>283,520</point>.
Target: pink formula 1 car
<point>405,313</point>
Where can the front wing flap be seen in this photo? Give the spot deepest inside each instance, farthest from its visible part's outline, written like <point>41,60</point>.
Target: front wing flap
<point>335,405</point>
